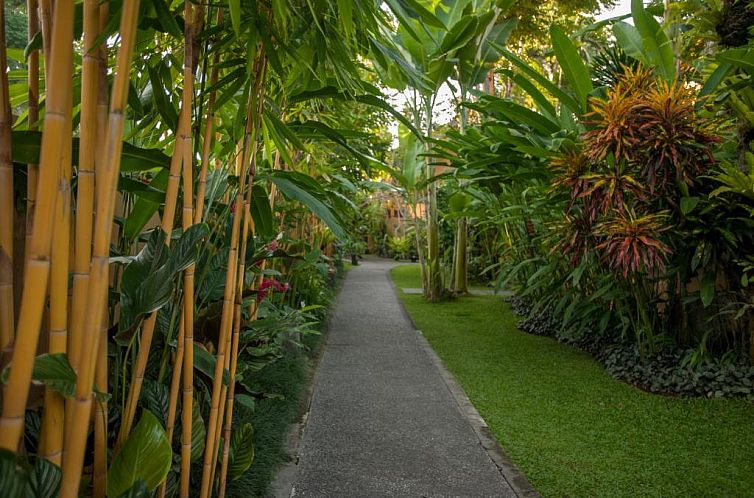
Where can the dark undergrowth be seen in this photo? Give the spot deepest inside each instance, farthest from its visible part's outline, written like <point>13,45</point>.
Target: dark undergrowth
<point>284,383</point>
<point>666,371</point>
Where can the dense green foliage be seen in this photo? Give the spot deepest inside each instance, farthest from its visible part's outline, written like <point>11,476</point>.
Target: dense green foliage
<point>571,428</point>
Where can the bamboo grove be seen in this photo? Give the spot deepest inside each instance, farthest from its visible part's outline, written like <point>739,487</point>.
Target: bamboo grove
<point>160,163</point>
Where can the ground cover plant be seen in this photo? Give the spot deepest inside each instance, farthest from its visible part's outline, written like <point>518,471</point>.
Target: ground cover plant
<point>568,425</point>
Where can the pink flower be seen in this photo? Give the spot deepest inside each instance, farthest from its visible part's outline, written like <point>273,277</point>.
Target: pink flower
<point>272,246</point>
<point>270,284</point>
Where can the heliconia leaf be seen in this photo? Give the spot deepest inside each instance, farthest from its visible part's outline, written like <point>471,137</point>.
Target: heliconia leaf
<point>707,287</point>
<point>574,69</point>
<point>205,362</point>
<point>261,212</point>
<point>146,455</point>
<point>656,44</point>
<point>144,208</point>
<point>294,191</point>
<point>629,40</point>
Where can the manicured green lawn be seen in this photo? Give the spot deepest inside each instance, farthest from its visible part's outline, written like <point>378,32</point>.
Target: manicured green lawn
<point>570,427</point>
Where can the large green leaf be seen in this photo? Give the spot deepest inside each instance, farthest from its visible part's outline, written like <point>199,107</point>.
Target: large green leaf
<point>629,40</point>
<point>145,207</point>
<point>294,191</point>
<point>44,479</point>
<point>55,372</point>
<point>205,362</point>
<point>371,100</point>
<point>261,212</point>
<point>546,84</point>
<point>13,478</point>
<point>659,51</point>
<point>574,69</point>
<point>138,490</point>
<point>198,432</point>
<point>146,455</point>
<point>241,453</point>
<point>26,149</point>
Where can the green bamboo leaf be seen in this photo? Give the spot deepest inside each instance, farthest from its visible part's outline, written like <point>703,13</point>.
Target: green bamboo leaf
<point>160,92</point>
<point>241,454</point>
<point>167,20</point>
<point>146,455</point>
<point>235,16</point>
<point>574,69</point>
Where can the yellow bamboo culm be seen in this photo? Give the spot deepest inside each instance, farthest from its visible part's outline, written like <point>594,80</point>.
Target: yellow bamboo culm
<point>51,440</point>
<point>38,265</point>
<point>32,79</point>
<point>85,189</point>
<point>6,198</point>
<point>107,179</point>
<point>45,17</point>
<point>101,414</point>
<point>188,279</point>
<point>147,328</point>
<point>208,134</point>
<point>226,322</point>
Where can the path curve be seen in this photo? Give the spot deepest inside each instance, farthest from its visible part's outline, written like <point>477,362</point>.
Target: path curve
<point>382,421</point>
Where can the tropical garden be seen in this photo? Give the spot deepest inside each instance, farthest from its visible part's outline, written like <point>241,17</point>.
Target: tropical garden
<point>181,182</point>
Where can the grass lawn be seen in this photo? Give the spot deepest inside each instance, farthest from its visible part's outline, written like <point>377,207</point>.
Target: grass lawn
<point>570,427</point>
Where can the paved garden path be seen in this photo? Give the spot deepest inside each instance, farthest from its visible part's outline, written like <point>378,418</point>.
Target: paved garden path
<point>382,420</point>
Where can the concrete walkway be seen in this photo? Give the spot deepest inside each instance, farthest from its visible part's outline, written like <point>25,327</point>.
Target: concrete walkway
<point>382,420</point>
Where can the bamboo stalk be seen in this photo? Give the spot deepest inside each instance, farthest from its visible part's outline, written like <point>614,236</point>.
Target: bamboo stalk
<point>38,265</point>
<point>85,189</point>
<point>188,278</point>
<point>99,269</point>
<point>208,134</point>
<point>233,364</point>
<point>101,411</point>
<point>6,197</point>
<point>51,446</point>
<point>32,171</point>
<point>45,15</point>
<point>147,328</point>
<point>210,448</point>
<point>101,414</point>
